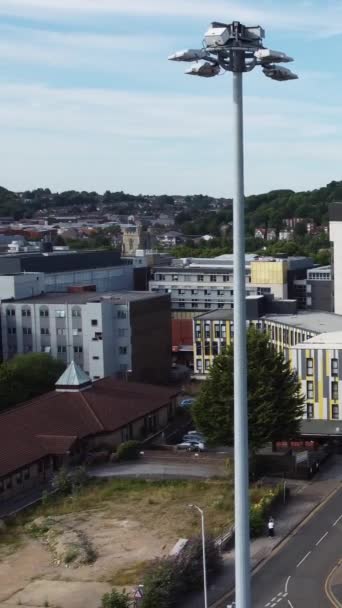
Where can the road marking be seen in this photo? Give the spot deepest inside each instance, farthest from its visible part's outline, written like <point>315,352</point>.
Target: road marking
<point>287,583</point>
<point>328,590</point>
<point>290,604</point>
<point>320,540</point>
<point>337,520</point>
<point>304,558</point>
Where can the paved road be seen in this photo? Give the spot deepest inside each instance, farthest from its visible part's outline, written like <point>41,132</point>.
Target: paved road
<point>297,576</point>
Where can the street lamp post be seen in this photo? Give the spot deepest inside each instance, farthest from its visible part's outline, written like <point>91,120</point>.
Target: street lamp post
<point>205,592</point>
<point>236,48</point>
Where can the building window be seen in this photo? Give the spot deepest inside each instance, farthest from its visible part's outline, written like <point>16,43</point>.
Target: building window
<point>44,331</point>
<point>78,349</point>
<point>309,390</point>
<point>198,349</point>
<point>11,312</point>
<point>200,278</point>
<point>226,278</point>
<point>122,350</point>
<point>309,410</point>
<point>181,304</point>
<point>44,312</point>
<point>207,365</point>
<point>199,365</point>
<point>334,391</point>
<point>122,314</point>
<point>207,349</point>
<point>27,474</point>
<point>216,330</point>
<point>181,292</point>
<point>207,292</point>
<point>194,305</point>
<point>19,478</point>
<point>76,312</point>
<point>161,277</point>
<point>94,322</point>
<point>334,367</point>
<point>60,314</point>
<point>309,367</point>
<point>96,358</point>
<point>335,412</point>
<point>27,331</point>
<point>207,304</point>
<point>96,377</point>
<point>198,331</point>
<point>213,278</point>
<point>214,347</point>
<point>194,292</point>
<point>175,277</point>
<point>61,349</point>
<point>12,330</point>
<point>220,305</point>
<point>26,312</point>
<point>121,333</point>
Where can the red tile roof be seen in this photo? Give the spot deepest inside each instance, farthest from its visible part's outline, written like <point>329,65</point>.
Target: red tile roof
<point>51,423</point>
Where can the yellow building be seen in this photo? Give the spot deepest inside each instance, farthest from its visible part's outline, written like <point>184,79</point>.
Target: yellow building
<point>270,276</point>
<point>318,362</point>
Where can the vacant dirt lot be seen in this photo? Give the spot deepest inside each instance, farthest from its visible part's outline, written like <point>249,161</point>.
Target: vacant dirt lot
<point>128,524</point>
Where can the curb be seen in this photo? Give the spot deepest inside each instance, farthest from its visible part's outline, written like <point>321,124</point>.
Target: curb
<point>263,560</point>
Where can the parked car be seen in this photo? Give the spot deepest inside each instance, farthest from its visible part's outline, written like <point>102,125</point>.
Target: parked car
<point>191,446</point>
<point>187,402</point>
<point>193,437</point>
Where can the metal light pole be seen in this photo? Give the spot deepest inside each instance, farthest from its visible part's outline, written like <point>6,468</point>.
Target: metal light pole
<point>205,592</point>
<point>236,48</point>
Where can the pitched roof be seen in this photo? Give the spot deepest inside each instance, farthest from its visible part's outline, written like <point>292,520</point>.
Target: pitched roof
<point>52,422</point>
<point>73,378</point>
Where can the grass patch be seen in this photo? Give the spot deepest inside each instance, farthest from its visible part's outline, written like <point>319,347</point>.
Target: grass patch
<point>128,576</point>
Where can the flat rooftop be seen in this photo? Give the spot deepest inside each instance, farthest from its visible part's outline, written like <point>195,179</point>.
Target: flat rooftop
<point>84,297</point>
<point>317,322</point>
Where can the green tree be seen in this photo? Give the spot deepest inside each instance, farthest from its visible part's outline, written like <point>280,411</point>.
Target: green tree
<point>116,599</point>
<point>275,404</point>
<point>27,376</point>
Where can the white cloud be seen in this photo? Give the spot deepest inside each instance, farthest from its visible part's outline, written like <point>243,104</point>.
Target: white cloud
<point>41,47</point>
<point>98,139</point>
<point>325,19</point>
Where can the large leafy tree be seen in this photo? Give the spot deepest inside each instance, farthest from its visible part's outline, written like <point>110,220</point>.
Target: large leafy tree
<point>275,404</point>
<point>27,376</point>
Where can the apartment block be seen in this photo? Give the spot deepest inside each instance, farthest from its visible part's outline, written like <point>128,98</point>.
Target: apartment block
<point>120,333</point>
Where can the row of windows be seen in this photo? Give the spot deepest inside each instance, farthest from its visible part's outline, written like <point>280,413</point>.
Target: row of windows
<point>199,365</point>
<point>60,314</point>
<point>333,367</point>
<point>335,411</point>
<point>310,390</point>
<point>7,484</point>
<point>207,292</point>
<point>200,277</point>
<point>287,336</point>
<point>209,348</point>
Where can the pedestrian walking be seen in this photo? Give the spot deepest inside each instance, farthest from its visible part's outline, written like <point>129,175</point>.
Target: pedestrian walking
<point>270,526</point>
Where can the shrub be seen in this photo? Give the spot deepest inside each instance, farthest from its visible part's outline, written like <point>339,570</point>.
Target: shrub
<point>66,482</point>
<point>168,579</point>
<point>163,584</point>
<point>256,521</point>
<point>128,450</point>
<point>115,599</point>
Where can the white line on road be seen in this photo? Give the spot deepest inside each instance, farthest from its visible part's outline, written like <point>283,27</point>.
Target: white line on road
<point>337,520</point>
<point>290,604</point>
<point>320,540</point>
<point>304,558</point>
<point>287,583</point>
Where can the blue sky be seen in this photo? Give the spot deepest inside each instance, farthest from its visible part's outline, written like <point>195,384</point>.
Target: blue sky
<point>89,101</point>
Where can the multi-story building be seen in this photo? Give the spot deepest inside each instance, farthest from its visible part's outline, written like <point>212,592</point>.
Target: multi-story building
<point>199,285</point>
<point>319,289</point>
<point>214,331</point>
<point>104,269</point>
<point>318,362</point>
<point>104,333</point>
<point>335,230</point>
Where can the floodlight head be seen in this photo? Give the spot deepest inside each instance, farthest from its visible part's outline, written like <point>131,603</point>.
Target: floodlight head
<point>188,55</point>
<point>217,35</point>
<point>278,72</point>
<point>206,70</point>
<point>266,56</point>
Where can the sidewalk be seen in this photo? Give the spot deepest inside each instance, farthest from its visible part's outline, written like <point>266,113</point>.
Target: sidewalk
<point>304,498</point>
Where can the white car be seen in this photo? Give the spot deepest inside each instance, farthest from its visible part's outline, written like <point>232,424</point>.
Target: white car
<point>191,446</point>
